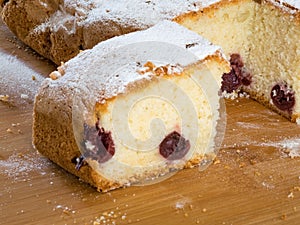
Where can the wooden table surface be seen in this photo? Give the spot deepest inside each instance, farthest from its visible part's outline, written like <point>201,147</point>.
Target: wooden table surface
<point>255,179</point>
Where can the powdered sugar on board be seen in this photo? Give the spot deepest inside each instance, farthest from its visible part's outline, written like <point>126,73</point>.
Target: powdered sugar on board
<point>290,146</point>
<point>17,81</point>
<point>19,166</point>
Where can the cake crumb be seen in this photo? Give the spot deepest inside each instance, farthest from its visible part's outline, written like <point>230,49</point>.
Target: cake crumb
<point>204,210</point>
<point>217,161</point>
<point>242,165</point>
<point>291,195</point>
<point>4,98</point>
<point>283,217</point>
<point>297,188</point>
<point>24,96</point>
<point>256,173</point>
<point>55,75</point>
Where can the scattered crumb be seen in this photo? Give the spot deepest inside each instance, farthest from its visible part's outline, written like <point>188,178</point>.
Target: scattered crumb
<point>4,98</point>
<point>242,165</point>
<point>64,210</point>
<point>55,75</point>
<point>9,130</point>
<point>204,210</point>
<point>235,94</point>
<point>253,161</point>
<point>291,195</point>
<point>217,161</point>
<point>297,188</point>
<point>256,173</point>
<point>24,96</point>
<point>33,77</point>
<point>283,217</point>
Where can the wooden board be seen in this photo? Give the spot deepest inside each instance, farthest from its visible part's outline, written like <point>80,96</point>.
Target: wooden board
<point>254,180</point>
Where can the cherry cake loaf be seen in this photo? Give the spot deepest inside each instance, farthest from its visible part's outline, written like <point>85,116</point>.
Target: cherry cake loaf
<point>96,116</point>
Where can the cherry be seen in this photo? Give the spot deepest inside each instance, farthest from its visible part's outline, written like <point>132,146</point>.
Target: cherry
<point>174,146</point>
<point>283,97</point>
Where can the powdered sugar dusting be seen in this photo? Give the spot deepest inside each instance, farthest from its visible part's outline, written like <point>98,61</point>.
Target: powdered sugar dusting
<point>91,21</point>
<point>294,3</point>
<point>16,79</point>
<point>140,12</point>
<point>19,166</point>
<point>290,146</point>
<point>291,6</point>
<point>92,69</point>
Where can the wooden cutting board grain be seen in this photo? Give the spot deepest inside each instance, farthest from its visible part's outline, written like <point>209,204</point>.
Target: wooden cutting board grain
<point>254,180</point>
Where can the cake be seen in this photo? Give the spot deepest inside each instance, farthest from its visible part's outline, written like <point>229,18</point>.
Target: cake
<point>134,109</point>
<point>260,36</point>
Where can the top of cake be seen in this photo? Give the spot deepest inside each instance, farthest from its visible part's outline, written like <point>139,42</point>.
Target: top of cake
<point>291,6</point>
<point>134,13</point>
<point>121,16</point>
<point>113,65</point>
<point>294,3</point>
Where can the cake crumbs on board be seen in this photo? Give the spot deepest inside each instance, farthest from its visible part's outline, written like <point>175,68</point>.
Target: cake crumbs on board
<point>4,98</point>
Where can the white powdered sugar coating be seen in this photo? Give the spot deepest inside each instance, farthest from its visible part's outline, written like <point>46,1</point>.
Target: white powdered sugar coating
<point>290,6</point>
<point>143,12</point>
<point>122,14</point>
<point>92,69</point>
<point>294,3</point>
<point>19,166</point>
<point>16,79</point>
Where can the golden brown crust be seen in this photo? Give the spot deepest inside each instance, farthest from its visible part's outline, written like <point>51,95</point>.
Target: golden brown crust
<point>61,148</point>
<point>265,100</point>
<point>207,11</point>
<point>285,8</point>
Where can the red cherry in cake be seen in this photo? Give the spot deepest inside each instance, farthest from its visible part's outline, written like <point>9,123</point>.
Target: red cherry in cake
<point>283,97</point>
<point>174,146</point>
<point>237,77</point>
<point>98,143</point>
<point>230,82</point>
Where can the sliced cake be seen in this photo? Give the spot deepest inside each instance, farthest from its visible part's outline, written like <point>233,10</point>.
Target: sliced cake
<point>133,109</point>
<point>262,40</point>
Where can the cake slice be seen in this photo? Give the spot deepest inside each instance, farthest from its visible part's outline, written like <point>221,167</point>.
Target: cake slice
<point>262,38</point>
<point>133,109</point>
<point>274,59</point>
